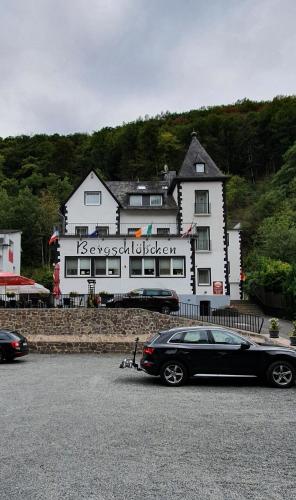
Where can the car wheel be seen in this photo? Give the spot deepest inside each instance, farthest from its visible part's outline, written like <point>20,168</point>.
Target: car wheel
<point>2,356</point>
<point>174,373</point>
<point>165,310</point>
<point>281,374</point>
<point>118,305</point>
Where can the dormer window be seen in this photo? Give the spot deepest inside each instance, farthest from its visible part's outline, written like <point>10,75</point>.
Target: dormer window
<point>145,200</point>
<point>155,200</point>
<point>200,168</point>
<point>135,200</point>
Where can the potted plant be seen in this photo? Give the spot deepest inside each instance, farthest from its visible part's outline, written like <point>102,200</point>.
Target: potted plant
<point>292,334</point>
<point>274,328</point>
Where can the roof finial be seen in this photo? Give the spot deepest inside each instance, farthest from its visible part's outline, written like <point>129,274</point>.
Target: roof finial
<point>193,134</point>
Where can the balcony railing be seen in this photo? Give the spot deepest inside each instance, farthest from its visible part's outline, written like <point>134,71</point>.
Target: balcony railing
<point>108,229</point>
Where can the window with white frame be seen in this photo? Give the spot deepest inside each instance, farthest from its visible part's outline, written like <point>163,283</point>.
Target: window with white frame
<point>107,266</point>
<point>145,200</point>
<point>78,266</point>
<point>135,200</point>
<point>149,266</point>
<point>155,200</point>
<point>84,266</point>
<point>102,231</point>
<point>177,264</point>
<point>157,266</point>
<point>164,266</point>
<point>92,198</point>
<point>142,266</point>
<point>203,238</point>
<point>163,231</point>
<point>200,168</point>
<point>171,266</point>
<point>71,266</point>
<point>81,231</point>
<point>204,276</point>
<point>202,205</point>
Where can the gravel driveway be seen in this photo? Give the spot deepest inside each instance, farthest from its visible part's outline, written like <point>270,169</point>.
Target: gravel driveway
<point>77,427</point>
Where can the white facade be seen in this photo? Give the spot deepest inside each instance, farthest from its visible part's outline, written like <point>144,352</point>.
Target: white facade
<point>97,241</point>
<point>79,214</point>
<point>209,256</point>
<point>90,250</point>
<point>10,251</point>
<point>234,259</point>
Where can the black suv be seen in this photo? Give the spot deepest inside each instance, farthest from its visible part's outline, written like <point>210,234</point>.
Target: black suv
<point>185,352</point>
<point>155,299</point>
<point>12,345</point>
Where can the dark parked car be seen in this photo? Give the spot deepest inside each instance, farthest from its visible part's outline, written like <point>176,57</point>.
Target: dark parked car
<point>12,345</point>
<point>155,299</point>
<point>180,353</point>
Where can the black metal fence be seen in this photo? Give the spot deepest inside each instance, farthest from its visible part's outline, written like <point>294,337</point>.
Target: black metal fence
<point>224,317</point>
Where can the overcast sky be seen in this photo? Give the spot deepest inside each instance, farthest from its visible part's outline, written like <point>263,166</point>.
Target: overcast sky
<point>79,65</point>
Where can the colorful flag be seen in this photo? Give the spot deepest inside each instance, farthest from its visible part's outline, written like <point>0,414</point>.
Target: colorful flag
<point>144,231</point>
<point>242,276</point>
<point>10,255</point>
<point>54,237</point>
<point>188,231</point>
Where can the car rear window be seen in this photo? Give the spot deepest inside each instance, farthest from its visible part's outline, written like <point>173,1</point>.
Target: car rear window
<point>4,336</point>
<point>13,335</point>
<point>153,337</point>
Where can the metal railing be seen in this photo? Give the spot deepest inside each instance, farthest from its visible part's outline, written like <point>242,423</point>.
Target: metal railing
<point>106,229</point>
<point>223,317</point>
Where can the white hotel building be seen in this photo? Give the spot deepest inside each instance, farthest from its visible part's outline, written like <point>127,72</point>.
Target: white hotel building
<point>97,240</point>
<point>10,250</point>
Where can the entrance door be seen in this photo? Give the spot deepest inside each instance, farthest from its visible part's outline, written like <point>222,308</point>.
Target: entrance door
<point>204,307</point>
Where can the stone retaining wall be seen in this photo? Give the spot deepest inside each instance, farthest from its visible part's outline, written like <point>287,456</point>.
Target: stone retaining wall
<point>83,321</point>
<point>55,347</point>
<point>84,330</point>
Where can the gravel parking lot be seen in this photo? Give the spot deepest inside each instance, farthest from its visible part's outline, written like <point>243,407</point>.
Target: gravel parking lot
<point>77,427</point>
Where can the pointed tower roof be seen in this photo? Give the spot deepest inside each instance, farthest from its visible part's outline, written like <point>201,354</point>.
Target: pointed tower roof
<point>197,154</point>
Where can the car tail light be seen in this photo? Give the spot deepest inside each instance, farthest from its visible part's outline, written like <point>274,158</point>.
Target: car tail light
<point>148,350</point>
<point>15,344</point>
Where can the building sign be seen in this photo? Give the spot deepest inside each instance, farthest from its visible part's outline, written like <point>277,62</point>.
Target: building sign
<point>126,248</point>
<point>218,287</point>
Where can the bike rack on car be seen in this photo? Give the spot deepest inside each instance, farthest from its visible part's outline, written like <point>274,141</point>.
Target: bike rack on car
<point>131,363</point>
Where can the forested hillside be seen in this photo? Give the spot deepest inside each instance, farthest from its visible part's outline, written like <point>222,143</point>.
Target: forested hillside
<point>252,142</point>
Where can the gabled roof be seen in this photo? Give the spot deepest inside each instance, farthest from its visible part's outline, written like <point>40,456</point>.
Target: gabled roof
<point>197,154</point>
<point>82,181</point>
<point>122,190</point>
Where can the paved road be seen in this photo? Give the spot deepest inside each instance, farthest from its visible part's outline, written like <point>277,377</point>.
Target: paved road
<point>77,427</point>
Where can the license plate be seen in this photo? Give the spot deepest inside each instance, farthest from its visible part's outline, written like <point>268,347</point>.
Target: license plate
<point>25,343</point>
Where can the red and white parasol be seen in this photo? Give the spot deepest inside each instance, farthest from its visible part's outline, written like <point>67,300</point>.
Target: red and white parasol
<point>56,281</point>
